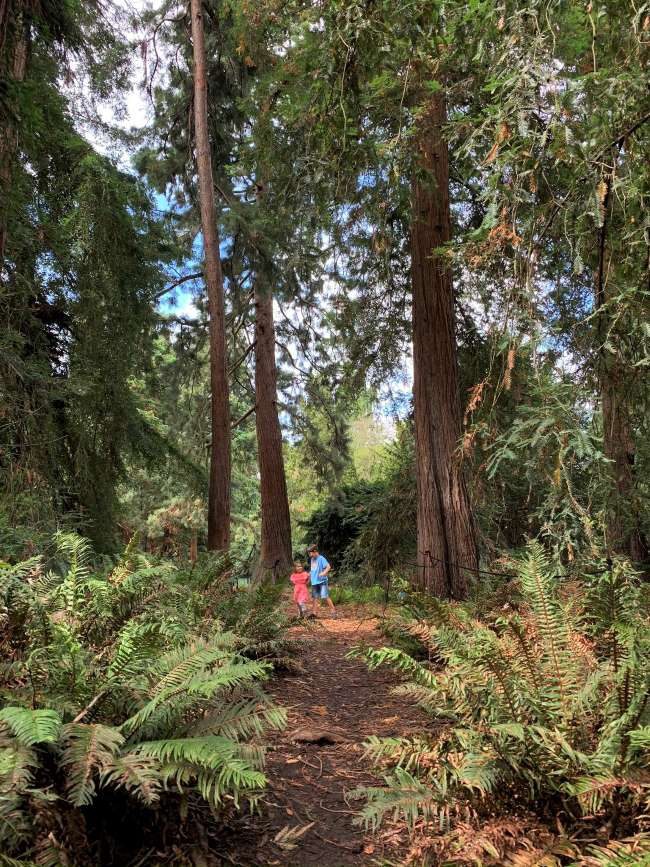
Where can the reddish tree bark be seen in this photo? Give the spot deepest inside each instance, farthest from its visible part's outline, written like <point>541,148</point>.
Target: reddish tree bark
<point>445,528</point>
<point>624,533</point>
<point>13,65</point>
<point>275,549</point>
<point>219,485</point>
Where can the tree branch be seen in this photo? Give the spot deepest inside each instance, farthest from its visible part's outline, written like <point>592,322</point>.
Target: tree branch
<point>237,364</point>
<point>177,283</point>
<point>243,417</point>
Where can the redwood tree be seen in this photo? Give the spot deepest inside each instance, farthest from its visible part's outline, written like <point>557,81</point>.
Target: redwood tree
<point>13,62</point>
<point>275,549</point>
<point>447,547</point>
<point>615,380</point>
<point>219,483</point>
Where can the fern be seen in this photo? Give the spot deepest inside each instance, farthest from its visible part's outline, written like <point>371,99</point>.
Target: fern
<point>404,797</point>
<point>140,689</point>
<point>139,775</point>
<point>529,706</point>
<point>76,550</point>
<point>215,763</point>
<point>634,852</point>
<point>31,726</point>
<point>88,750</point>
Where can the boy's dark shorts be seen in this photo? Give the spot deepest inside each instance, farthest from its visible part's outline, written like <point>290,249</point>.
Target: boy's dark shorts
<point>320,591</point>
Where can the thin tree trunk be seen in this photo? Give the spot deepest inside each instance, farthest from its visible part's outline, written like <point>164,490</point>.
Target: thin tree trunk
<point>624,534</point>
<point>623,525</point>
<point>275,549</point>
<point>13,64</point>
<point>219,489</point>
<point>445,528</point>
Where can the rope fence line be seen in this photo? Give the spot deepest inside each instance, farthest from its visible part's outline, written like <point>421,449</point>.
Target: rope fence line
<point>447,563</point>
<point>435,560</point>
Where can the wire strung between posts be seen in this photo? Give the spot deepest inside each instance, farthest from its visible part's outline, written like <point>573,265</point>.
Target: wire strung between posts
<point>435,560</point>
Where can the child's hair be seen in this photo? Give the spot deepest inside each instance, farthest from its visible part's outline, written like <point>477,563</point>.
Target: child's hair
<point>297,564</point>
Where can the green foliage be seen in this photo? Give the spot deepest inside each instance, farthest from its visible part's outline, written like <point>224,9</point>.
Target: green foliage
<point>367,528</point>
<point>526,706</point>
<point>556,442</point>
<point>342,594</point>
<point>126,682</point>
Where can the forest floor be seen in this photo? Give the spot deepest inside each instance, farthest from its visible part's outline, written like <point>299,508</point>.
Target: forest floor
<point>307,816</point>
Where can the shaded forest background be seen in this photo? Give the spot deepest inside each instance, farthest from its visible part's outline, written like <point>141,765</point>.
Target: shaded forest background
<point>374,275</point>
<point>542,278</point>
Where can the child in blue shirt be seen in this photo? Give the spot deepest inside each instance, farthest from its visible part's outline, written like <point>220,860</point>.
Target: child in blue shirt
<point>319,570</point>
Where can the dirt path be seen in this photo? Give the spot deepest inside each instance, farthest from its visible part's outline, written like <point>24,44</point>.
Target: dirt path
<point>309,781</point>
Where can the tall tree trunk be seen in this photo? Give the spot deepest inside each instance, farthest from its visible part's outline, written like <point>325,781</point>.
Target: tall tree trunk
<point>219,489</point>
<point>624,534</point>
<point>623,524</point>
<point>445,528</point>
<point>13,65</point>
<point>275,553</point>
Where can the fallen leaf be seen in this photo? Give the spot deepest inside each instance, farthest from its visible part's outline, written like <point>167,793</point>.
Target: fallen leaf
<point>286,837</point>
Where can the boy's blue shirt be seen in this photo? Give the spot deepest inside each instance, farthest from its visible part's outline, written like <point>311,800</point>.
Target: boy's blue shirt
<point>316,567</point>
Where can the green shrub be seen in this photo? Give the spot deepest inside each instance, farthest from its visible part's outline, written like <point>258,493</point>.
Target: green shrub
<point>343,594</point>
<point>368,529</point>
<point>543,708</point>
<point>120,685</point>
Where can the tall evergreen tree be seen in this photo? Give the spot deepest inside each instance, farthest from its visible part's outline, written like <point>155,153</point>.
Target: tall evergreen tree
<point>376,117</point>
<point>275,542</point>
<point>446,540</point>
<point>219,486</point>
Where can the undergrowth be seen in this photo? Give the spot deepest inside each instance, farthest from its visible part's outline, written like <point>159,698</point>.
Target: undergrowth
<point>133,693</point>
<point>539,709</point>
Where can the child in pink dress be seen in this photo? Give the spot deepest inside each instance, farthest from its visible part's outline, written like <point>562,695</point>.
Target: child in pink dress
<point>299,578</point>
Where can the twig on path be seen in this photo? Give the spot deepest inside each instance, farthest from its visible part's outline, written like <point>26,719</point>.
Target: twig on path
<point>309,764</point>
<point>338,845</point>
<point>346,812</point>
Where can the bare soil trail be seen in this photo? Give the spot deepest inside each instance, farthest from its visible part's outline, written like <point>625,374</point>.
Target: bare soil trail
<point>307,815</point>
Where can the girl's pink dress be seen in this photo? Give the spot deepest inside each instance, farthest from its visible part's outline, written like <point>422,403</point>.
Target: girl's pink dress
<point>300,591</point>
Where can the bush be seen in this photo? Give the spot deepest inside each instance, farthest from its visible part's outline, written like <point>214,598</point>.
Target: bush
<point>368,529</point>
<point>548,708</point>
<point>119,686</point>
<point>345,595</point>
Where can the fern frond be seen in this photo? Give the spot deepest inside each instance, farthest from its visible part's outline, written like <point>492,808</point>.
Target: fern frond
<point>640,739</point>
<point>203,685</point>
<point>128,561</point>
<point>17,762</point>
<point>404,797</point>
<point>77,552</point>
<point>633,852</point>
<point>137,774</point>
<point>32,726</point>
<point>134,649</point>
<point>215,763</point>
<point>88,750</point>
<point>241,719</point>
<point>178,666</point>
<point>6,861</point>
<point>550,619</point>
